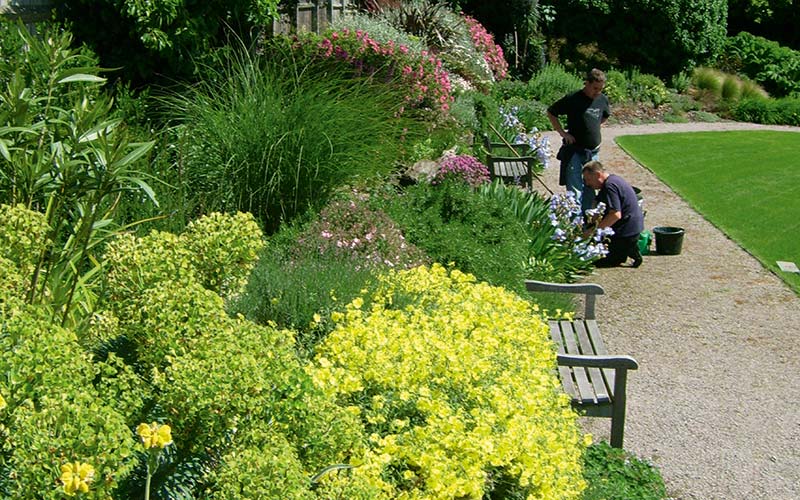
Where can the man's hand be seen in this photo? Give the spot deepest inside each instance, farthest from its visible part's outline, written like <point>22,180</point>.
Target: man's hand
<point>568,138</point>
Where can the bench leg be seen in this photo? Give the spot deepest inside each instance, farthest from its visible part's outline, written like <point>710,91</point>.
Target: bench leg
<point>618,409</point>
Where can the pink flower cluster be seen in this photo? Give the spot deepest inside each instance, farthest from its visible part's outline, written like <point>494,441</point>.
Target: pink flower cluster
<point>492,53</point>
<point>464,167</point>
<point>427,81</point>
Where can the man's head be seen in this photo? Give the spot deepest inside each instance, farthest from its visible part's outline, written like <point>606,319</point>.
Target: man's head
<point>594,174</point>
<point>594,83</point>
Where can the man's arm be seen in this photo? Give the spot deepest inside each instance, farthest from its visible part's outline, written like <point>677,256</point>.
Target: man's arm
<point>568,138</point>
<point>610,218</point>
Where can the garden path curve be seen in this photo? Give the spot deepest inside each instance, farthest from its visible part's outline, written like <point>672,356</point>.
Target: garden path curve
<point>715,403</point>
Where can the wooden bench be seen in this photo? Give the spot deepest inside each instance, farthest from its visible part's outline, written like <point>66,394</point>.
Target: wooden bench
<point>509,164</point>
<point>593,379</point>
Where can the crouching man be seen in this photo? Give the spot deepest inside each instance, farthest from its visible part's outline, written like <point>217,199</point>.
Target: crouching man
<point>622,214</point>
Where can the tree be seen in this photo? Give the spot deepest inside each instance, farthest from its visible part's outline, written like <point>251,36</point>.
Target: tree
<point>161,38</point>
<point>661,37</point>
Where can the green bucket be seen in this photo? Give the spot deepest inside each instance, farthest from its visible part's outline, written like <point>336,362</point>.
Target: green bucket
<point>645,237</point>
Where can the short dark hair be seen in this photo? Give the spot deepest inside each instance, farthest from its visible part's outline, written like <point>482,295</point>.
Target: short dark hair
<point>595,75</point>
<point>593,166</point>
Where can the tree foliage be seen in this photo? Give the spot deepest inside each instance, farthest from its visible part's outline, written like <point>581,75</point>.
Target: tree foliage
<point>658,37</point>
<point>161,37</point>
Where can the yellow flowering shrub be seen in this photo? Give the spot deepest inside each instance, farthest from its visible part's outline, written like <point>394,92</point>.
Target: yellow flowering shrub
<point>454,381</point>
<point>54,414</point>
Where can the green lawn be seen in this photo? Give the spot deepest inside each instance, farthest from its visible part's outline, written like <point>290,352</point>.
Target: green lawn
<point>746,183</point>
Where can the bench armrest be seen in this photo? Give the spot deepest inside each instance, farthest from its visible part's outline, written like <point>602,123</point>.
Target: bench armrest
<point>621,361</point>
<point>544,286</point>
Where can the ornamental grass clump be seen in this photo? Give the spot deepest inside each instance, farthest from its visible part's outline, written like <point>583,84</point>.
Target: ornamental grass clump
<point>465,168</point>
<point>454,382</point>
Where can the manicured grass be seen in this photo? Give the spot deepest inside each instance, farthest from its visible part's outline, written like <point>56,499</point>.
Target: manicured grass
<point>744,182</point>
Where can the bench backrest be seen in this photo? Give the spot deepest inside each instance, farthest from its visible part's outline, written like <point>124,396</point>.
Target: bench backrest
<point>590,290</point>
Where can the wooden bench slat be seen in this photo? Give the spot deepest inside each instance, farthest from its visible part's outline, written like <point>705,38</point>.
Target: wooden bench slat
<point>564,372</point>
<point>580,375</point>
<point>602,392</point>
<point>600,348</point>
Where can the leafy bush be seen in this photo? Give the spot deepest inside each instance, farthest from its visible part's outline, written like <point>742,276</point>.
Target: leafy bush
<point>614,474</point>
<point>775,67</point>
<point>454,224</point>
<point>616,88</point>
<point>178,338</point>
<point>152,40</point>
<point>552,82</point>
<point>785,111</point>
<point>65,155</point>
<point>312,269</point>
<point>633,85</point>
<point>266,137</point>
<point>646,88</point>
<point>548,260</point>
<point>511,88</point>
<point>448,416</point>
<point>678,33</point>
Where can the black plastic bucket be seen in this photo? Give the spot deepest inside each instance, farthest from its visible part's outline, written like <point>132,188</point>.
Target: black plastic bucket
<point>668,240</point>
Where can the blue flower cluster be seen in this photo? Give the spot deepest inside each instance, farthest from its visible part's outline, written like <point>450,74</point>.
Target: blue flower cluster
<point>538,145</point>
<point>565,216</point>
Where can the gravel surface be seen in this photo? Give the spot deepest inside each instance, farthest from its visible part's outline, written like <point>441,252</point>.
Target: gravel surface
<point>715,402</point>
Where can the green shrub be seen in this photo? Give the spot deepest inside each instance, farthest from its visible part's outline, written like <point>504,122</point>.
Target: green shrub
<point>775,67</point>
<point>614,474</point>
<point>458,395</point>
<point>646,88</point>
<point>708,79</point>
<point>162,40</point>
<point>454,224</point>
<point>616,88</point>
<point>295,286</point>
<point>176,335</point>
<point>531,114</point>
<point>660,38</point>
<point>268,138</point>
<point>511,88</point>
<point>680,82</point>
<point>785,111</point>
<point>552,82</point>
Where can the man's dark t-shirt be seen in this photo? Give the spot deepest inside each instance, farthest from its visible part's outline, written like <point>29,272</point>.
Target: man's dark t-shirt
<point>584,116</point>
<point>618,195</point>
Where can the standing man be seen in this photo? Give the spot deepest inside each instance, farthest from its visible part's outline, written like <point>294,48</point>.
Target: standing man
<point>623,214</point>
<point>586,110</point>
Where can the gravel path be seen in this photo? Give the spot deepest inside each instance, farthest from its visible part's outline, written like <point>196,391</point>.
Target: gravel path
<point>715,401</point>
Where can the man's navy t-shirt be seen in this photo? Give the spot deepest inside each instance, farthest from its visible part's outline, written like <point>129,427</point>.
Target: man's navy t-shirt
<point>618,195</point>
